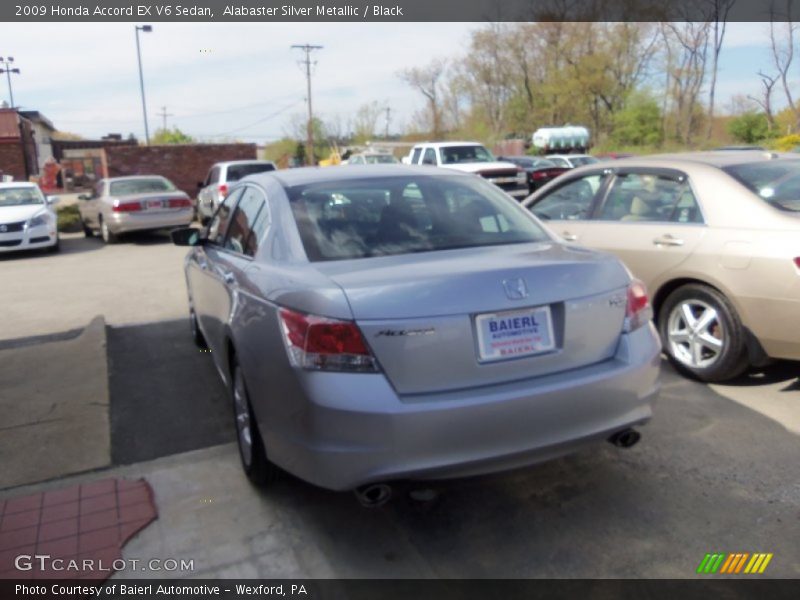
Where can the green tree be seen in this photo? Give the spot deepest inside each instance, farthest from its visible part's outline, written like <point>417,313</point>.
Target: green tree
<point>749,128</point>
<point>171,136</point>
<point>638,123</point>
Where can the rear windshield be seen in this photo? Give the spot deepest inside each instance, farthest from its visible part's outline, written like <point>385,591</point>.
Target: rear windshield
<point>775,182</point>
<point>236,172</point>
<point>465,154</point>
<point>18,196</point>
<point>141,186</point>
<point>380,159</point>
<point>579,161</point>
<point>399,215</point>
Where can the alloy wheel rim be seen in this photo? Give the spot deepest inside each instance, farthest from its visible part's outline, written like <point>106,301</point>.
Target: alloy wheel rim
<point>695,334</point>
<point>242,413</point>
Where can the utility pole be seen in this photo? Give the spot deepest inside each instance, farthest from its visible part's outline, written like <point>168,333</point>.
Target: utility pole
<point>144,29</point>
<point>388,118</point>
<point>6,62</point>
<point>308,49</point>
<point>164,114</point>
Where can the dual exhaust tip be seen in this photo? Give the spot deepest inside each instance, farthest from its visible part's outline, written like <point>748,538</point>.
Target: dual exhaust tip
<point>374,495</point>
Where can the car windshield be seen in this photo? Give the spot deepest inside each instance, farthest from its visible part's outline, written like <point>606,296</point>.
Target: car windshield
<point>141,186</point>
<point>775,182</point>
<point>380,159</point>
<point>237,172</point>
<point>18,196</point>
<point>398,215</point>
<point>465,154</point>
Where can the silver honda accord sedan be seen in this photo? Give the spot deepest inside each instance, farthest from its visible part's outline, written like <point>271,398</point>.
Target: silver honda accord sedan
<point>389,322</point>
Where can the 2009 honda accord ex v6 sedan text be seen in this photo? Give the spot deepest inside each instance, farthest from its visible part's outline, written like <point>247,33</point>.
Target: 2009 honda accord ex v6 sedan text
<point>391,322</point>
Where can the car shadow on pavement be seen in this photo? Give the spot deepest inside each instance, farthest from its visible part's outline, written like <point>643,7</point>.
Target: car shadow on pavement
<point>165,394</point>
<point>779,372</point>
<point>146,238</point>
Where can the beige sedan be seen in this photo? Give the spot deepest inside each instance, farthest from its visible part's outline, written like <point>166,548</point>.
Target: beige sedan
<point>714,235</point>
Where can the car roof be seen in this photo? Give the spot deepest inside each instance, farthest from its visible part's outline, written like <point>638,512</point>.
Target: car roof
<point>134,177</point>
<point>255,161</point>
<point>447,144</point>
<point>16,184</point>
<point>716,158</point>
<point>306,175</point>
<point>567,155</point>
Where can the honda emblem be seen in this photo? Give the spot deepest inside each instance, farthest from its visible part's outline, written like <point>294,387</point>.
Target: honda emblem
<point>515,288</point>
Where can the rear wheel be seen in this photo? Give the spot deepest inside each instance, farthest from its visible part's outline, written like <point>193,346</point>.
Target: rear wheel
<point>109,237</point>
<point>259,470</point>
<point>702,333</point>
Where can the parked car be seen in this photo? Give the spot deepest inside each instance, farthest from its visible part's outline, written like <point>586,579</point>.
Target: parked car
<point>27,218</point>
<point>539,170</point>
<point>614,156</point>
<point>119,205</point>
<point>372,158</point>
<point>713,235</point>
<point>220,176</point>
<point>381,322</point>
<point>571,161</point>
<point>471,157</point>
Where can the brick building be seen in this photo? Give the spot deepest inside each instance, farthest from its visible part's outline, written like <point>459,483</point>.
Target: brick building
<point>17,146</point>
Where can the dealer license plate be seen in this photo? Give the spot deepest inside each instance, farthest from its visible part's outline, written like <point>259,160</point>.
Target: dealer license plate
<point>515,333</point>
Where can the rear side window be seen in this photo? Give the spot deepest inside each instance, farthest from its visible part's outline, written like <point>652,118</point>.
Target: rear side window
<point>650,197</point>
<point>415,156</point>
<point>430,157</point>
<point>776,182</point>
<point>399,215</point>
<point>237,172</point>
<point>213,176</point>
<point>242,236</point>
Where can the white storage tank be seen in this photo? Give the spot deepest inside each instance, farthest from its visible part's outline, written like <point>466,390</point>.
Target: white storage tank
<point>566,138</point>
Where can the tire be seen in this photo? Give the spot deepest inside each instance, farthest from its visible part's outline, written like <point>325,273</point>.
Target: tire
<point>87,231</point>
<point>109,237</point>
<point>259,470</point>
<point>197,335</point>
<point>702,334</point>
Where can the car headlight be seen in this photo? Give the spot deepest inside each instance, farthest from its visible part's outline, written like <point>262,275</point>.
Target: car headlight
<point>39,220</point>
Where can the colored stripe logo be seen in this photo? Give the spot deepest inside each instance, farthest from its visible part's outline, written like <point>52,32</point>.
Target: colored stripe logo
<point>734,564</point>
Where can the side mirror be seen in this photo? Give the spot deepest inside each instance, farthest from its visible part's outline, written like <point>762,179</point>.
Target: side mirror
<point>200,185</point>
<point>187,236</point>
<point>53,200</point>
<point>84,197</point>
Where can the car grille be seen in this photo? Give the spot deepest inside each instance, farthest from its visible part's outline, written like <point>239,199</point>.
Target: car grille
<point>8,243</point>
<point>12,227</point>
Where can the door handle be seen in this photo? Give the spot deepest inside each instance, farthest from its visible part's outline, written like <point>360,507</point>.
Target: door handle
<point>668,240</point>
<point>570,237</point>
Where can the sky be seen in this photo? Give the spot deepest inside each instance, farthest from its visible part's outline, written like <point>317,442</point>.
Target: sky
<point>242,81</point>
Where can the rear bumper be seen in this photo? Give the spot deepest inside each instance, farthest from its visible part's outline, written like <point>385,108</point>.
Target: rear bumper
<point>352,429</point>
<point>28,239</point>
<point>125,222</point>
<point>774,322</point>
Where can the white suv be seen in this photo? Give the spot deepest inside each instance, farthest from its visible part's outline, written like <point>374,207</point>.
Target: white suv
<point>471,157</point>
<point>220,176</point>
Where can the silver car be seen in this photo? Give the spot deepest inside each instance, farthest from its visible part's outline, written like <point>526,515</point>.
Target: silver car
<point>378,323</point>
<point>220,176</point>
<point>123,204</point>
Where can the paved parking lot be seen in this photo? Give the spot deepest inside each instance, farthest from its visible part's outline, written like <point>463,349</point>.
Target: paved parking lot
<point>717,469</point>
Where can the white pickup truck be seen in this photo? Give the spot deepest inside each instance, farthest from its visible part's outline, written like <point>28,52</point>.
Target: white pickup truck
<point>471,157</point>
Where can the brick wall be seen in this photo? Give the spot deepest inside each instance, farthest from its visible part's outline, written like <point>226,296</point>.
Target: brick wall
<point>183,164</point>
<point>12,160</point>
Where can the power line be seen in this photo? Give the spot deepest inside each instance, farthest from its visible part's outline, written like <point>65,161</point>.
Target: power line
<point>308,49</point>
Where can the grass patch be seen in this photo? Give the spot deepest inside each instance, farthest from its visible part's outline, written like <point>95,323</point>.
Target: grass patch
<point>69,219</point>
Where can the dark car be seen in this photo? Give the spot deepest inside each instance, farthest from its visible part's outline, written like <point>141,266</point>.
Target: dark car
<point>539,170</point>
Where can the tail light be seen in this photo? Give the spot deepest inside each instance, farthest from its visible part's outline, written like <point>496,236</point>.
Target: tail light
<point>537,175</point>
<point>223,190</point>
<point>797,262</point>
<point>126,206</point>
<point>322,344</point>
<point>179,203</point>
<point>638,310</point>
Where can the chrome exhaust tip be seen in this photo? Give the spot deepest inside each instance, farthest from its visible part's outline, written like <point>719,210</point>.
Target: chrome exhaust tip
<point>625,438</point>
<point>373,495</point>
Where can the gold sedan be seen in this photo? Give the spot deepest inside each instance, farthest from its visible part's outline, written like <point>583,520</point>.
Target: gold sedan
<point>714,235</point>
